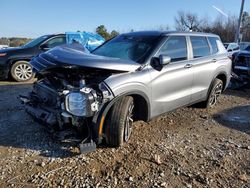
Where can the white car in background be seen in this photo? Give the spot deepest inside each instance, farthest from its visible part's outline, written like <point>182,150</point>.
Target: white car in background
<point>232,47</point>
<point>4,46</point>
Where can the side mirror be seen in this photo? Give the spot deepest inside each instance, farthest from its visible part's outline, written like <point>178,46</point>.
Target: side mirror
<point>44,46</point>
<point>159,62</point>
<point>164,60</point>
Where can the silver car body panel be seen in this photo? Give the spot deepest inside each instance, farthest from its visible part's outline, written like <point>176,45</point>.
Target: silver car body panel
<point>175,85</point>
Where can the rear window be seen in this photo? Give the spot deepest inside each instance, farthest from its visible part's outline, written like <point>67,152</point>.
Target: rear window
<point>200,46</point>
<point>213,43</point>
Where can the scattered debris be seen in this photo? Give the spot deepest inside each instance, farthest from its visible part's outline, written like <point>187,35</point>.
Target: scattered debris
<point>175,150</point>
<point>157,159</point>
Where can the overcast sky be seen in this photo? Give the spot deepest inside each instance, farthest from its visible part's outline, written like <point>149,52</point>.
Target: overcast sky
<point>32,18</point>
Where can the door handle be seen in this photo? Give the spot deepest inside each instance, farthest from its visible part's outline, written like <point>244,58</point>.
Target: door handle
<point>187,66</point>
<point>214,60</point>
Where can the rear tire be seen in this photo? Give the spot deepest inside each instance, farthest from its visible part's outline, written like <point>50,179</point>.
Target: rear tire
<point>216,90</point>
<point>21,71</point>
<point>119,125</point>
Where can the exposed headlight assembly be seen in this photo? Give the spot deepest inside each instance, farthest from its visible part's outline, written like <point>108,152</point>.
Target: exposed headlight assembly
<point>81,103</point>
<point>76,103</point>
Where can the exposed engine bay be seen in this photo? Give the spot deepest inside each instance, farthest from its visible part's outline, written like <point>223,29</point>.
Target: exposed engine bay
<point>71,93</point>
<point>66,99</point>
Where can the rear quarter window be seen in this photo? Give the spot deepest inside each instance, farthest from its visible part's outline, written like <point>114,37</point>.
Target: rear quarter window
<point>200,46</point>
<point>214,44</point>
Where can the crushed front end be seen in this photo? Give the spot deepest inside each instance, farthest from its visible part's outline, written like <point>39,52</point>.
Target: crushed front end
<point>68,100</point>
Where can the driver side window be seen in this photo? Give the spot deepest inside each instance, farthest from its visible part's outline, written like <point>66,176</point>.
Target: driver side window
<point>56,42</point>
<point>175,47</point>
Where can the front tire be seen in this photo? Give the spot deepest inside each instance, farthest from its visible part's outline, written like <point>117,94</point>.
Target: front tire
<point>21,71</point>
<point>119,125</point>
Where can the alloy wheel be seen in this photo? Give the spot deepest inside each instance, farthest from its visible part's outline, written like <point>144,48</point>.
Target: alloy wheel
<point>215,94</point>
<point>129,122</point>
<point>23,71</point>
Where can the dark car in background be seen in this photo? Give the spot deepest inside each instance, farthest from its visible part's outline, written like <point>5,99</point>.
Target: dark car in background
<point>14,62</point>
<point>241,63</point>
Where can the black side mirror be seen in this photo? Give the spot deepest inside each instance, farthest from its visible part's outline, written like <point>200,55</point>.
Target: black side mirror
<point>159,62</point>
<point>44,46</point>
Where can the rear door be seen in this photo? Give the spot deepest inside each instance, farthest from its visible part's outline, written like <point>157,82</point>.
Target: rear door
<point>203,61</point>
<point>172,85</point>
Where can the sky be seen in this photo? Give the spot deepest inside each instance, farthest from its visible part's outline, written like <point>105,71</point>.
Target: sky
<point>33,18</point>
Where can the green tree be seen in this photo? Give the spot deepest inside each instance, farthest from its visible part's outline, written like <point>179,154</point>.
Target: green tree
<point>113,34</point>
<point>101,30</point>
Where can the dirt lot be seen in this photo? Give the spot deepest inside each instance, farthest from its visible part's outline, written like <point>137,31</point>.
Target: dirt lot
<point>190,147</point>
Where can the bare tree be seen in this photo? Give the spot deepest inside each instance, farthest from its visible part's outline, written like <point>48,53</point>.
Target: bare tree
<point>245,26</point>
<point>224,28</point>
<point>187,21</point>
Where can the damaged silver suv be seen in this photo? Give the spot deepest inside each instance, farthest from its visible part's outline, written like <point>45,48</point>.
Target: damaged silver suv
<point>135,76</point>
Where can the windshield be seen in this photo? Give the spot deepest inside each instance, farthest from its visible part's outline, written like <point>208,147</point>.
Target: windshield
<point>35,41</point>
<point>136,48</point>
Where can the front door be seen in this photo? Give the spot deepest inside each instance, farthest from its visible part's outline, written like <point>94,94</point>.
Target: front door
<point>172,85</point>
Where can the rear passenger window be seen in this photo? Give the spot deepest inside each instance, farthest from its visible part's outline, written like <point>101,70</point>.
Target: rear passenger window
<point>175,47</point>
<point>200,46</point>
<point>213,43</point>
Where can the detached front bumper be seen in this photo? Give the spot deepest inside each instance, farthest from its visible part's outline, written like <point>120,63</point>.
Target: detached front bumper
<point>53,119</point>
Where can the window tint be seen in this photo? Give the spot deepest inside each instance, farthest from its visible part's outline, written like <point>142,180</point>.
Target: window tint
<point>213,43</point>
<point>56,42</point>
<point>200,46</point>
<point>175,47</point>
<point>136,48</point>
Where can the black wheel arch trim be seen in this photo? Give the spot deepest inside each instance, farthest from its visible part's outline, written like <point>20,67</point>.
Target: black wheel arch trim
<point>100,116</point>
<point>12,61</point>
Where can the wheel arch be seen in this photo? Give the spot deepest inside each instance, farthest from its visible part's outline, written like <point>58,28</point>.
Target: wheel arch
<point>142,110</point>
<point>14,60</point>
<point>222,76</point>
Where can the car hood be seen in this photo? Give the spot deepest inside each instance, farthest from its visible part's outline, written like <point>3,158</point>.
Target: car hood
<point>10,49</point>
<point>244,53</point>
<point>70,57</point>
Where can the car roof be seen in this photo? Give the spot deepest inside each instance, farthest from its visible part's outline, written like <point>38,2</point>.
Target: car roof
<point>166,33</point>
<point>53,35</point>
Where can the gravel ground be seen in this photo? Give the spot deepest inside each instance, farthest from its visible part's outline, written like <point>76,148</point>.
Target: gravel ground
<point>189,147</point>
